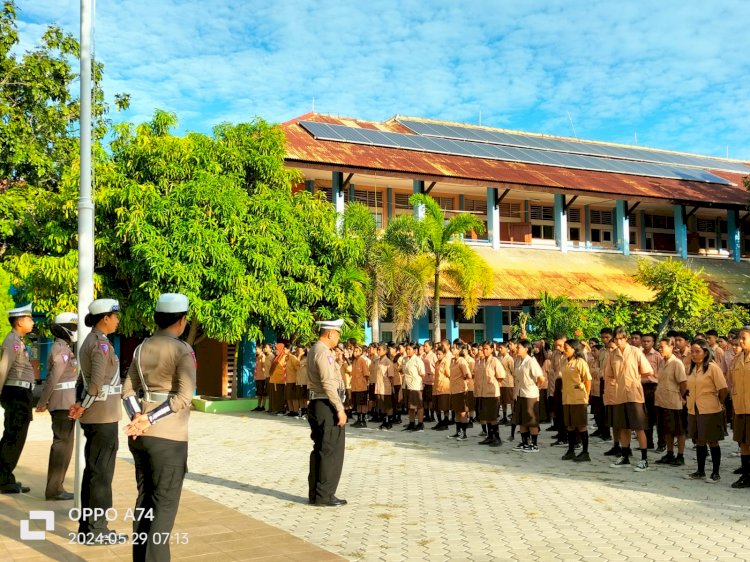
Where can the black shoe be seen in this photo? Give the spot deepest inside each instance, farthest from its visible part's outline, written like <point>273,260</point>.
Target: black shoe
<point>437,427</point>
<point>62,496</point>
<point>410,427</point>
<point>743,482</point>
<point>737,471</point>
<point>496,442</point>
<point>454,436</point>
<point>256,409</point>
<point>666,459</point>
<point>442,428</point>
<point>504,421</point>
<point>597,433</point>
<point>569,456</point>
<point>483,434</point>
<point>614,452</point>
<point>678,461</point>
<point>551,428</point>
<point>582,457</point>
<point>333,502</point>
<point>15,488</point>
<point>486,441</point>
<point>419,427</point>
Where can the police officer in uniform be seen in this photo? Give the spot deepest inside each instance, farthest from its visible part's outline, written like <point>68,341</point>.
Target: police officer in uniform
<point>58,395</point>
<point>157,394</point>
<point>326,417</point>
<point>99,410</point>
<point>16,383</point>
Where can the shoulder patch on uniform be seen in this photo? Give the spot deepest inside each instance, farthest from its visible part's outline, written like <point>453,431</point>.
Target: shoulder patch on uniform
<point>17,346</point>
<point>65,357</point>
<point>330,360</point>
<point>195,361</point>
<point>104,346</point>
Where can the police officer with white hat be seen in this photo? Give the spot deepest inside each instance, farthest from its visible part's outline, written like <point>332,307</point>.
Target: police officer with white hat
<point>58,395</point>
<point>157,395</point>
<point>99,410</point>
<point>16,384</point>
<point>326,417</point>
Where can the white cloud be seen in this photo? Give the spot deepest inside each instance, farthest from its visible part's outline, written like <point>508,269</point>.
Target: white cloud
<point>670,71</point>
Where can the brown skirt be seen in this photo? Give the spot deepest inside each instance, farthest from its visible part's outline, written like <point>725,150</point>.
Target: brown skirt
<point>359,398</point>
<point>741,427</point>
<point>385,402</point>
<point>261,387</point>
<point>543,410</point>
<point>458,402</point>
<point>290,391</point>
<point>706,427</point>
<point>371,393</point>
<point>506,395</point>
<point>302,393</point>
<point>670,421</point>
<point>443,402</point>
<point>414,399</point>
<point>526,412</point>
<point>276,397</point>
<point>630,415</point>
<point>488,409</point>
<point>470,400</point>
<point>575,415</point>
<point>427,393</point>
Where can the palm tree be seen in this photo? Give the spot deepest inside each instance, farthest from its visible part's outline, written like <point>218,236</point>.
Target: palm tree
<point>394,279</point>
<point>436,241</point>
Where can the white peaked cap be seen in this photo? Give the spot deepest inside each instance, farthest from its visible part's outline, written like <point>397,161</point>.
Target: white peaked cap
<point>330,324</point>
<point>66,318</point>
<point>104,306</point>
<point>20,311</point>
<point>172,302</point>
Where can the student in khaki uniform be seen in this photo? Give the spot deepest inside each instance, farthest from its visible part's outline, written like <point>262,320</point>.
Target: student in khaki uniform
<point>682,349</point>
<point>706,391</point>
<point>671,386</point>
<point>290,390</point>
<point>430,360</point>
<point>595,398</point>
<point>554,382</point>
<point>99,410</point>
<point>625,367</point>
<point>507,383</point>
<point>345,369</point>
<point>479,391</point>
<point>384,372</point>
<point>607,338</point>
<point>372,399</point>
<point>359,382</point>
<point>441,390</point>
<point>492,374</point>
<point>576,385</point>
<point>277,378</point>
<point>261,376</point>
<point>16,384</point>
<point>302,381</point>
<point>58,395</point>
<point>459,373</point>
<point>529,377</point>
<point>413,374</point>
<point>740,373</point>
<point>326,418</point>
<point>163,372</point>
<point>648,341</point>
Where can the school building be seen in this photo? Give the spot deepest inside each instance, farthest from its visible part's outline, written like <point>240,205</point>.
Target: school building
<point>562,215</point>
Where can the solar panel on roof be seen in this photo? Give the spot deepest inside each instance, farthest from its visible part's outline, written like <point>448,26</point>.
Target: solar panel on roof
<point>440,145</point>
<point>574,146</point>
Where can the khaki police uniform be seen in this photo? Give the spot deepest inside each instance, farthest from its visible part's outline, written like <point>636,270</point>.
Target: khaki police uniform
<point>162,374</point>
<point>58,395</point>
<point>16,384</point>
<point>326,393</point>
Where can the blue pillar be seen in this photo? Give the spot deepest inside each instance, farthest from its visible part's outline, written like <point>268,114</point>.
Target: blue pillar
<point>561,223</point>
<point>733,234</point>
<point>337,197</point>
<point>368,333</point>
<point>310,186</point>
<point>493,323</point>
<point>418,187</point>
<point>389,202</point>
<point>421,330</point>
<point>493,219</point>
<point>623,227</point>
<point>587,226</point>
<point>680,231</point>
<point>269,336</point>
<point>246,369</point>
<point>451,325</point>
<point>642,230</point>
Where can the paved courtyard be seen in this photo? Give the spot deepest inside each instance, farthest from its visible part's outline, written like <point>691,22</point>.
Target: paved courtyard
<point>425,497</point>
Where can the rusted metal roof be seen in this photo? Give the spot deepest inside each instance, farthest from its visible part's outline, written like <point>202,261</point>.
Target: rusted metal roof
<point>522,274</point>
<point>305,151</point>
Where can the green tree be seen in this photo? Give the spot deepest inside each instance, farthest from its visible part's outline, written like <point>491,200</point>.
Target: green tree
<point>6,301</point>
<point>681,293</point>
<point>451,262</point>
<point>394,281</point>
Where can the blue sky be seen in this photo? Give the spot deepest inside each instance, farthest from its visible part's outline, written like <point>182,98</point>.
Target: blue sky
<point>672,74</point>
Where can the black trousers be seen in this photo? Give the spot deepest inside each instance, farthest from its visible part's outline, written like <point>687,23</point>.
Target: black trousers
<point>327,456</point>
<point>96,486</point>
<point>60,452</point>
<point>16,402</point>
<point>160,467</point>
<point>649,394</point>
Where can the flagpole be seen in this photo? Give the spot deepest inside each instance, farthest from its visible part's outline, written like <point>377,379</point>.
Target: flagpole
<point>85,217</point>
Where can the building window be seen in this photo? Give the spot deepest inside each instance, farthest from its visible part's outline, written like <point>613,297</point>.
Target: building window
<point>543,231</point>
<point>542,222</point>
<point>510,210</point>
<point>386,336</point>
<point>478,336</point>
<point>601,226</point>
<point>575,234</point>
<point>442,315</point>
<point>478,318</point>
